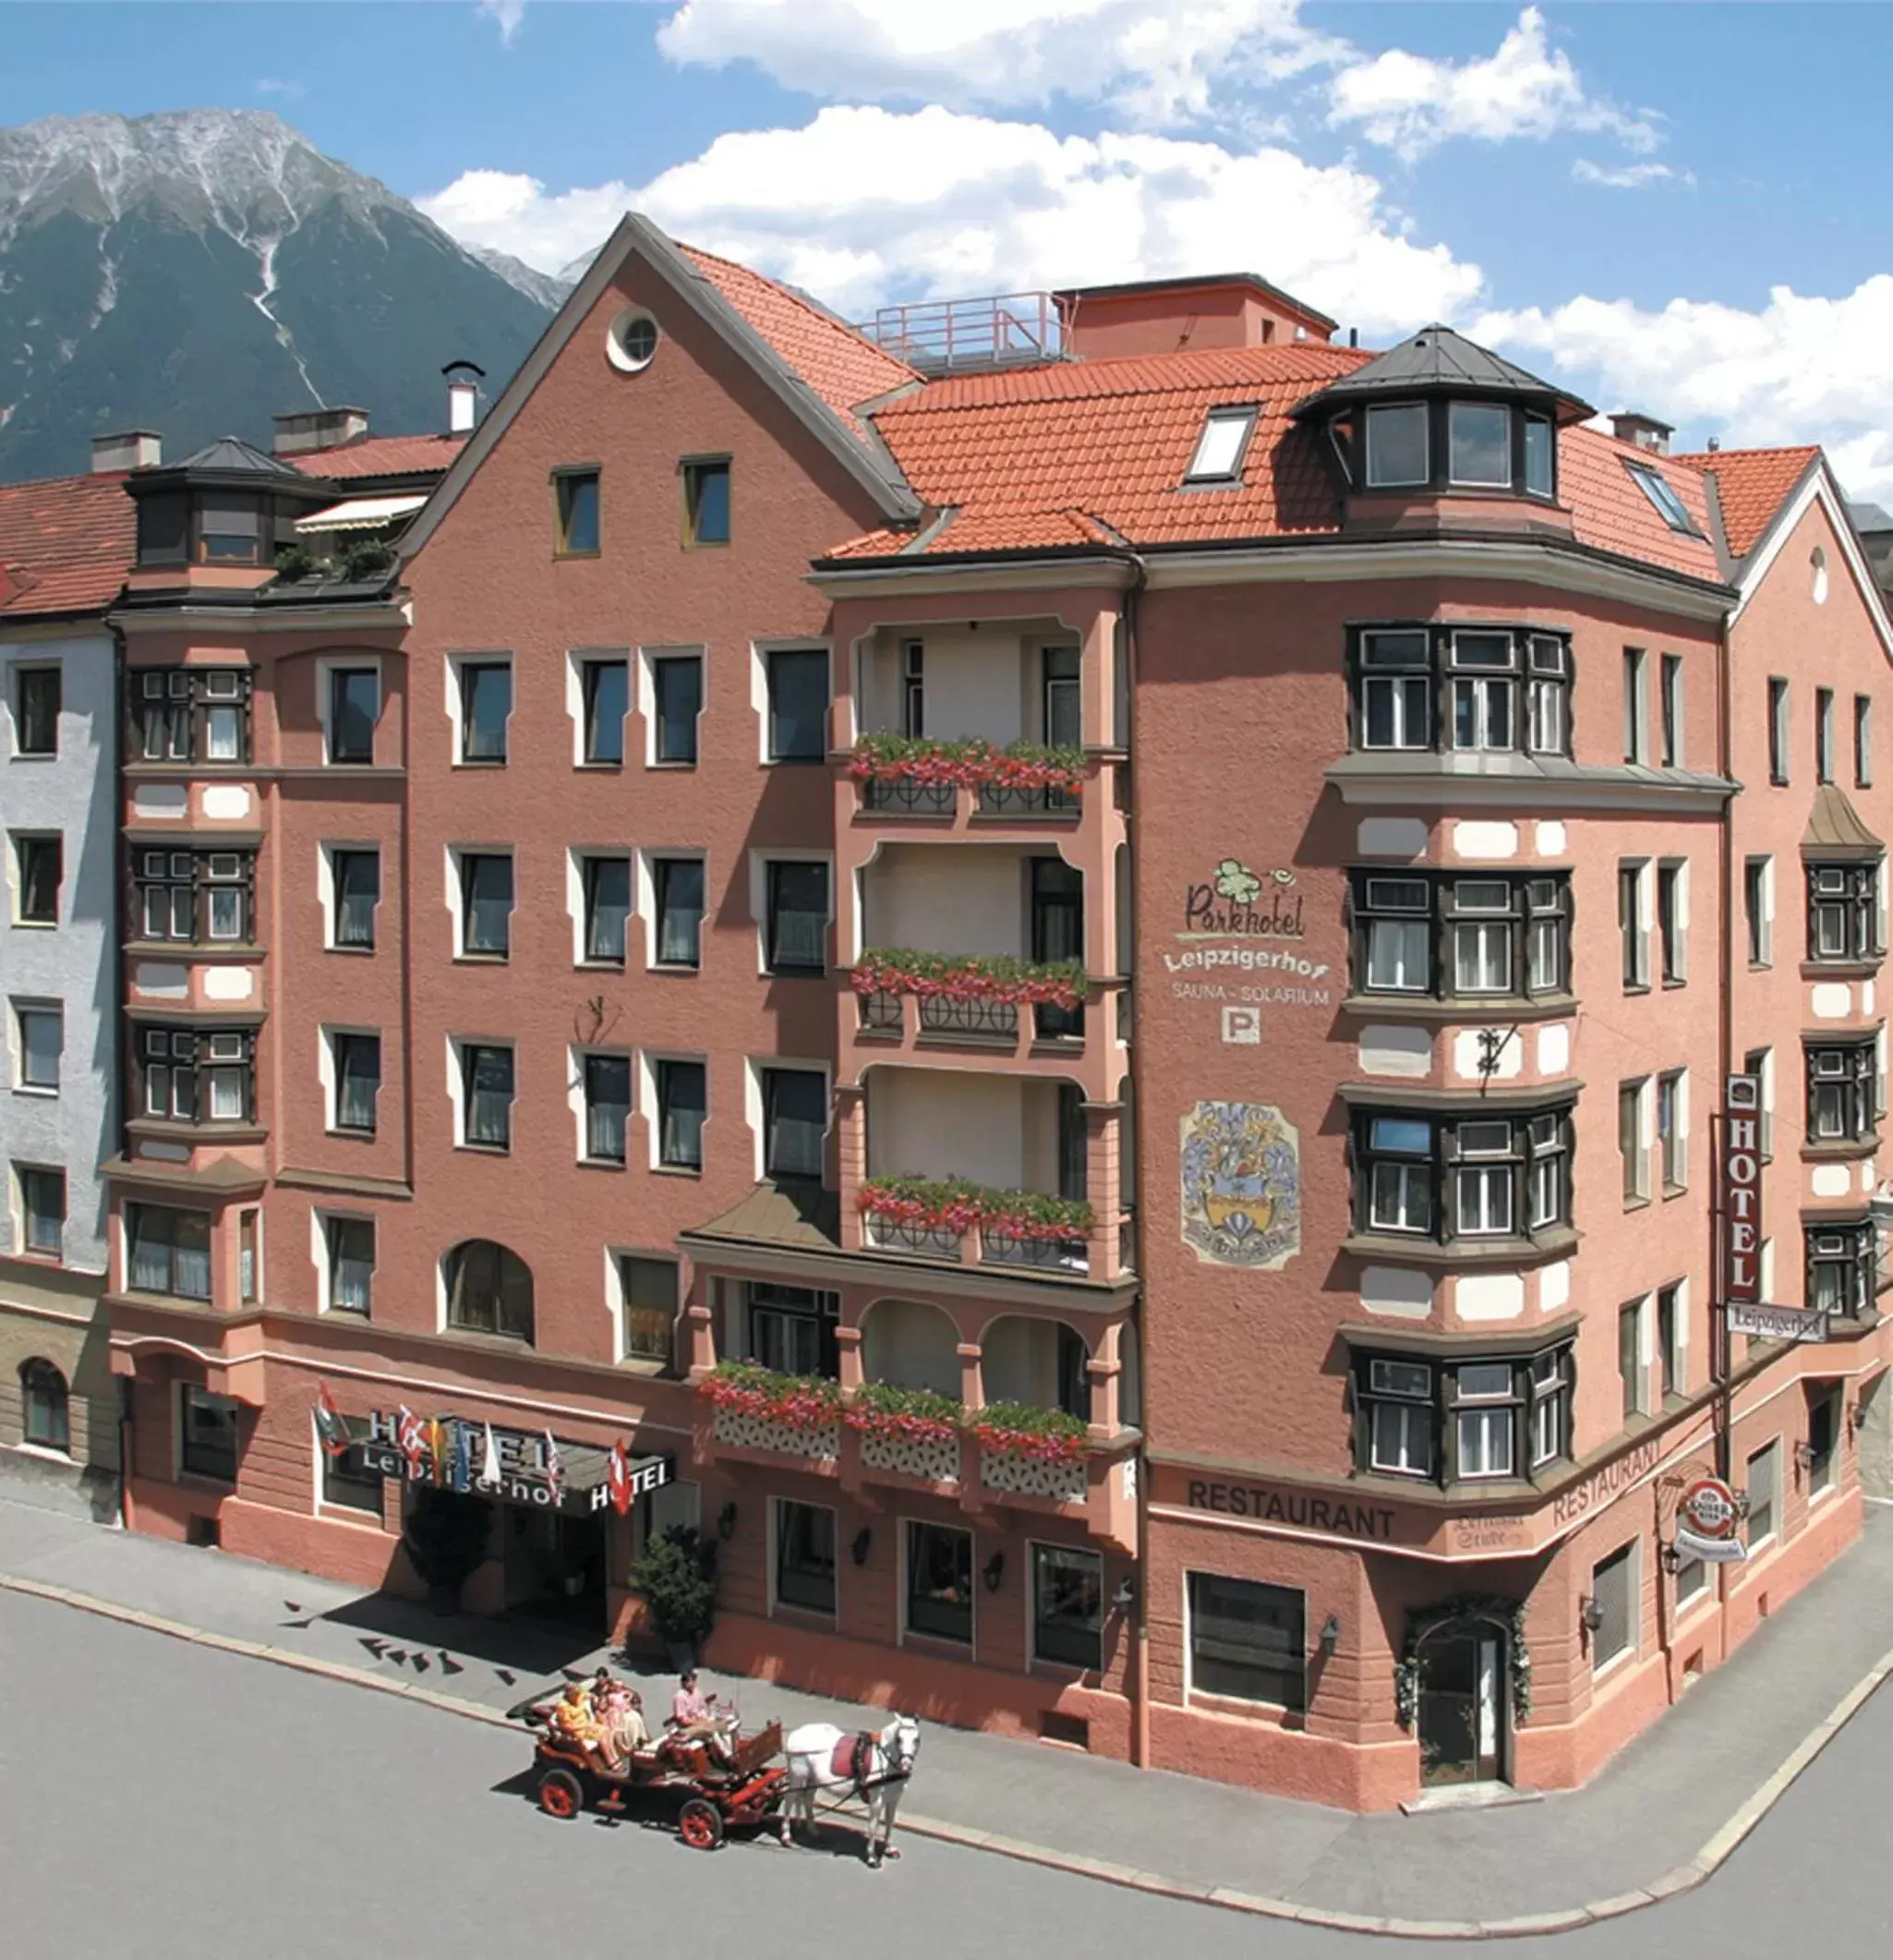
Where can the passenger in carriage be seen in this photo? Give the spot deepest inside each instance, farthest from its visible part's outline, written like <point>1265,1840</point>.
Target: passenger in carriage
<point>574,1722</point>
<point>620,1712</point>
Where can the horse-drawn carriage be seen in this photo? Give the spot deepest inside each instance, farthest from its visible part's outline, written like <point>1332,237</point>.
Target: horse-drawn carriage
<point>728,1780</point>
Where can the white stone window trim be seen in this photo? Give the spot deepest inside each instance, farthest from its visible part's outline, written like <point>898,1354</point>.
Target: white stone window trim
<point>18,1006</point>
<point>753,1109</point>
<point>576,1054</point>
<point>330,1075</point>
<point>644,906</point>
<point>578,858</point>
<point>457,1046</point>
<point>759,652</point>
<point>1631,1650</point>
<point>320,1217</point>
<point>760,859</point>
<point>616,1304</point>
<point>27,657</point>
<point>643,1097</point>
<point>499,656</point>
<point>644,696</point>
<point>328,664</point>
<point>577,658</point>
<point>456,894</point>
<point>325,883</point>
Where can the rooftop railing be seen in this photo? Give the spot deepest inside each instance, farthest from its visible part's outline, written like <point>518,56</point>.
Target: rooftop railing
<point>943,336</point>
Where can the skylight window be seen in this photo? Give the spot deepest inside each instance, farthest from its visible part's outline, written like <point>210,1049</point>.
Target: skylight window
<point>1219,449</point>
<point>1661,492</point>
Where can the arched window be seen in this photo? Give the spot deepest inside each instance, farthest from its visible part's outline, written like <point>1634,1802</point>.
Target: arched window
<point>490,1289</point>
<point>45,1419</point>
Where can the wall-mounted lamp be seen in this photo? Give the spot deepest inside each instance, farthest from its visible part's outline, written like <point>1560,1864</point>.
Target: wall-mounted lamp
<point>1125,1598</point>
<point>1591,1613</point>
<point>858,1551</point>
<point>1331,1636</point>
<point>994,1571</point>
<point>726,1521</point>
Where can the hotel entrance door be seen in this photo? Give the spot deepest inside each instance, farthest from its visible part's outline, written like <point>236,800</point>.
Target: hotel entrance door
<point>1462,1705</point>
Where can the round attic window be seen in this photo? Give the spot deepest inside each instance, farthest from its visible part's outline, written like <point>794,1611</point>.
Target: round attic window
<point>632,341</point>
<point>1818,562</point>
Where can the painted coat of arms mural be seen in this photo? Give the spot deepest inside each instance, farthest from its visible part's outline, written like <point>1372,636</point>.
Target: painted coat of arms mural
<point>1241,1185</point>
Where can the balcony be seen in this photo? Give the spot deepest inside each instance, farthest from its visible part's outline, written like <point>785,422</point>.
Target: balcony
<point>760,1415</point>
<point>977,1225</point>
<point>972,784</point>
<point>917,999</point>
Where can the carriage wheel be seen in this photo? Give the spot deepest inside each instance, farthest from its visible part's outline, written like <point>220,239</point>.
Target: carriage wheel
<point>700,1824</point>
<point>560,1795</point>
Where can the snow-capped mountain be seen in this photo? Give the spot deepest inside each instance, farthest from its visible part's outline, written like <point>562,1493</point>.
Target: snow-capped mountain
<point>198,273</point>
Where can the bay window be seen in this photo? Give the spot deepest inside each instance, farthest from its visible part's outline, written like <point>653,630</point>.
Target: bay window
<point>1843,912</point>
<point>190,714</point>
<point>1479,689</point>
<point>1462,1177</point>
<point>1842,1092</point>
<point>195,1075</point>
<point>1462,1418</point>
<point>1439,934</point>
<point>1841,1266</point>
<point>193,898</point>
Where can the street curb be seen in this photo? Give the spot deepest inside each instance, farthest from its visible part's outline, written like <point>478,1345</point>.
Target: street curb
<point>1671,1884</point>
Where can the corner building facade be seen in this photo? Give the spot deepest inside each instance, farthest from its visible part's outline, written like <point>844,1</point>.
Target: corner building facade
<point>1153,937</point>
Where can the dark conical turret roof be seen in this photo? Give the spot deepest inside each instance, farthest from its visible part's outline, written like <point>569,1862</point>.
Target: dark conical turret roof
<point>1437,360</point>
<point>233,455</point>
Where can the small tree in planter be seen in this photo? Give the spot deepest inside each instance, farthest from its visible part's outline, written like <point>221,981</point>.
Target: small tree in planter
<point>677,1580</point>
<point>445,1533</point>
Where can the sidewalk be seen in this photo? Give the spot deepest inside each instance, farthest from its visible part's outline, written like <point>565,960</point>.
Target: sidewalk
<point>1655,1821</point>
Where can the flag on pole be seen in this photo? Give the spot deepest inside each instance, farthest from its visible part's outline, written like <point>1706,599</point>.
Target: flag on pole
<point>489,1463</point>
<point>618,1475</point>
<point>437,1449</point>
<point>331,1425</point>
<point>555,1468</point>
<point>462,1458</point>
<point>410,1437</point>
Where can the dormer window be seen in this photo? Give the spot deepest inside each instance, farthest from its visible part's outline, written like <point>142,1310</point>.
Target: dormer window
<point>1221,446</point>
<point>1662,493</point>
<point>1397,446</point>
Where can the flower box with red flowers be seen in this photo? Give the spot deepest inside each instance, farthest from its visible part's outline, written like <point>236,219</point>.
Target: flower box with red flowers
<point>799,1401</point>
<point>1016,1429</point>
<point>956,1205</point>
<point>905,1415</point>
<point>972,764</point>
<point>970,976</point>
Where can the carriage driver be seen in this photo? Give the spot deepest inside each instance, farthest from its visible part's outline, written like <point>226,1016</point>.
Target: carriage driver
<point>694,1716</point>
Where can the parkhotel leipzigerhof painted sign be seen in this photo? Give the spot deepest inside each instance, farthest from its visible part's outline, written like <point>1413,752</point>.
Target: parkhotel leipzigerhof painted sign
<point>1235,922</point>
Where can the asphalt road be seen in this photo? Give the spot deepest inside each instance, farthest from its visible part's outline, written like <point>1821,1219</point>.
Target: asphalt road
<point>157,1799</point>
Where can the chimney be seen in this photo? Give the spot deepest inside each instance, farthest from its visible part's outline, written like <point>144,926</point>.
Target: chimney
<point>1642,431</point>
<point>463,378</point>
<point>130,449</point>
<point>314,429</point>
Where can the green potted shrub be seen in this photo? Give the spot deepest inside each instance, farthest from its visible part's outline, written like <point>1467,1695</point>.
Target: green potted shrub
<point>677,1580</point>
<point>445,1533</point>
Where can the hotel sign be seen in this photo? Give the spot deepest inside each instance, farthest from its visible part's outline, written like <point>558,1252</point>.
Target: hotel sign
<point>506,1463</point>
<point>1742,1193</point>
<point>1777,1324</point>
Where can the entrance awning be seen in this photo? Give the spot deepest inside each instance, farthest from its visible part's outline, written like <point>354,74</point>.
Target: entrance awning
<point>361,514</point>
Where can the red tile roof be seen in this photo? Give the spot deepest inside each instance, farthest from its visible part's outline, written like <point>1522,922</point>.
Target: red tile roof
<point>382,456</point>
<point>842,366</point>
<point>65,544</point>
<point>1093,452</point>
<point>1752,485</point>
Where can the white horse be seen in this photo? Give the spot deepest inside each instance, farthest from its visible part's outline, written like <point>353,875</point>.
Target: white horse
<point>825,1761</point>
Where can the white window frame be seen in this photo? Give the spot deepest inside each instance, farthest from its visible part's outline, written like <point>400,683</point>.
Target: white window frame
<point>457,1096</point>
<point>456,908</point>
<point>325,888</point>
<point>1453,411</point>
<point>19,1006</point>
<point>618,1307</point>
<point>1368,476</point>
<point>319,1218</point>
<point>759,652</point>
<point>1772,1536</point>
<point>1242,419</point>
<point>328,1074</point>
<point>578,858</point>
<point>342,1513</point>
<point>1633,1647</point>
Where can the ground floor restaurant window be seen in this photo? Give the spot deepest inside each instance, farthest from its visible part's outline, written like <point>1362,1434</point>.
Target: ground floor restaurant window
<point>1247,1640</point>
<point>206,1435</point>
<point>1612,1609</point>
<point>346,1486</point>
<point>939,1582</point>
<point>1067,1606</point>
<point>805,1556</point>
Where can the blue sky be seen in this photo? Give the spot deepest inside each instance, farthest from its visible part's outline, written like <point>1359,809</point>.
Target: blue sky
<point>1620,193</point>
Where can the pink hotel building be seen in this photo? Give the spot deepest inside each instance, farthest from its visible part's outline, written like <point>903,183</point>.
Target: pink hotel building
<point>1159,917</point>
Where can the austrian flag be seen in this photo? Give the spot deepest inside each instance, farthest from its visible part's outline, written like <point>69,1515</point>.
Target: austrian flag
<point>331,1425</point>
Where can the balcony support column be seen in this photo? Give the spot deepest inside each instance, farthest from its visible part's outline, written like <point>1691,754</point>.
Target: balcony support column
<point>972,1390</point>
<point>851,1158</point>
<point>1105,1370</point>
<point>1102,1187</point>
<point>848,1358</point>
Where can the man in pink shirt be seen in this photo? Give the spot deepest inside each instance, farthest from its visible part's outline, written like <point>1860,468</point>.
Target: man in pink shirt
<point>694,1716</point>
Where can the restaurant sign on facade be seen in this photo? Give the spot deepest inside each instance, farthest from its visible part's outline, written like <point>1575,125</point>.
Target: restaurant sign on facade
<point>1706,1516</point>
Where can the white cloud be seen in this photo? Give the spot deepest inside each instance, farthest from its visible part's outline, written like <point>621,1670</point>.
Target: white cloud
<point>270,86</point>
<point>1629,177</point>
<point>1157,64</point>
<point>1802,369</point>
<point>1411,103</point>
<point>866,204</point>
<point>506,15</point>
